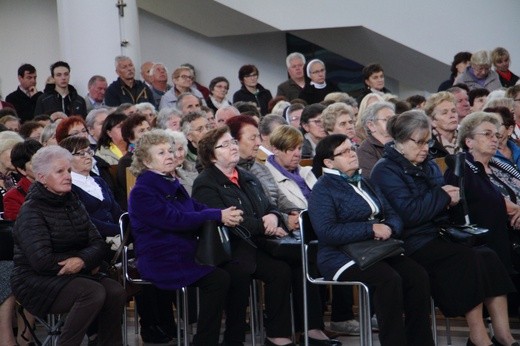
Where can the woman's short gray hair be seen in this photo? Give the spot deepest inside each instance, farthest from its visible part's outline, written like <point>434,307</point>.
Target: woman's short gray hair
<point>8,139</point>
<point>144,106</point>
<point>370,114</point>
<point>481,58</point>
<point>401,127</point>
<point>165,115</point>
<point>45,158</point>
<point>48,132</point>
<point>332,112</point>
<point>471,122</point>
<point>178,138</point>
<point>142,149</point>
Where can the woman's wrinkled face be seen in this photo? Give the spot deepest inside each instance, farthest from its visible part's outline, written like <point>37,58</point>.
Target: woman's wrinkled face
<point>174,123</point>
<point>344,125</point>
<point>289,159</point>
<point>315,127</point>
<point>82,161</point>
<point>318,73</point>
<point>445,117</point>
<point>140,130</point>
<point>377,127</point>
<point>249,142</point>
<point>294,118</point>
<point>179,154</point>
<point>480,71</point>
<point>484,141</point>
<point>220,90</point>
<point>416,148</point>
<point>344,159</point>
<point>58,180</point>
<point>5,160</point>
<point>161,158</point>
<point>226,152</point>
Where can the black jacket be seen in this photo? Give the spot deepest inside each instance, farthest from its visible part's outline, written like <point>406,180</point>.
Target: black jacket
<point>49,229</point>
<point>51,101</point>
<point>118,93</point>
<point>23,104</point>
<point>312,95</point>
<point>215,190</point>
<point>261,98</point>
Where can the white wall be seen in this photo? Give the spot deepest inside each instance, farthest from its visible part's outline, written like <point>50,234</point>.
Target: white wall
<point>173,45</point>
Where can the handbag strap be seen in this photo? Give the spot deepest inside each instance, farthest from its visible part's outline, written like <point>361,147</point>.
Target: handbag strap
<point>371,188</point>
<point>120,248</point>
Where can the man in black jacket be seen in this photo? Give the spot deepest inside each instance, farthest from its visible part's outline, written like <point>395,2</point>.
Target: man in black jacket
<point>60,96</point>
<point>127,89</point>
<point>25,96</point>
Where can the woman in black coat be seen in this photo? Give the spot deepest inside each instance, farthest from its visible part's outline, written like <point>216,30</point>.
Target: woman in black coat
<point>251,90</point>
<point>58,252</point>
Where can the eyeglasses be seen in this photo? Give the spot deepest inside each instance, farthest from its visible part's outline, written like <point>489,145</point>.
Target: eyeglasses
<point>226,144</point>
<point>489,134</point>
<point>422,143</point>
<point>186,77</point>
<point>75,133</point>
<point>347,151</point>
<point>318,71</point>
<point>84,153</point>
<point>252,75</point>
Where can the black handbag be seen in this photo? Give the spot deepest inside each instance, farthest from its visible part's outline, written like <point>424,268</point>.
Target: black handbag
<point>368,252</point>
<point>286,248</point>
<point>214,246</point>
<point>468,235</point>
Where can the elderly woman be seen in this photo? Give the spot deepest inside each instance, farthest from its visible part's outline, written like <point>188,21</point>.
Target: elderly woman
<point>508,150</point>
<point>94,123</point>
<point>363,105</point>
<point>218,87</point>
<point>183,82</point>
<point>415,189</point>
<point>169,118</point>
<point>312,127</point>
<point>317,88</point>
<point>111,146</point>
<point>31,129</point>
<point>185,175</point>
<point>222,184</point>
<point>338,118</point>
<point>501,60</point>
<point>479,74</point>
<point>8,139</point>
<point>148,110</point>
<point>58,252</point>
<point>165,222</point>
<point>373,121</point>
<point>345,208</point>
<point>458,66</point>
<point>48,136</point>
<point>441,109</point>
<point>251,90</point>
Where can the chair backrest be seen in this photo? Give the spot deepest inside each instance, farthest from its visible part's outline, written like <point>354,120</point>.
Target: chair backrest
<point>307,231</point>
<point>309,245</point>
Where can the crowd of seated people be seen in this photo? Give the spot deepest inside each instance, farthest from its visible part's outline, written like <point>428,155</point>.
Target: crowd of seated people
<point>245,160</point>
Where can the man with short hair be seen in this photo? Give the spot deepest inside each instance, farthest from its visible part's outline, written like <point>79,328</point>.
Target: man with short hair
<point>127,89</point>
<point>291,88</point>
<point>60,96</point>
<point>145,73</point>
<point>194,125</point>
<point>159,81</point>
<point>97,86</point>
<point>461,101</point>
<point>187,102</point>
<point>25,96</point>
<point>224,113</point>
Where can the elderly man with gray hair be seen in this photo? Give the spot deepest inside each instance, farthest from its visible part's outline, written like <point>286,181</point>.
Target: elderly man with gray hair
<point>374,121</point>
<point>291,88</point>
<point>127,89</point>
<point>194,125</point>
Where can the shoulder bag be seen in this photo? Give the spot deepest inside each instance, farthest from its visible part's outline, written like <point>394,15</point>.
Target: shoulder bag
<point>214,246</point>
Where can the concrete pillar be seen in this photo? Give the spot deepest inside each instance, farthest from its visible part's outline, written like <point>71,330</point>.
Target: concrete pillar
<point>91,35</point>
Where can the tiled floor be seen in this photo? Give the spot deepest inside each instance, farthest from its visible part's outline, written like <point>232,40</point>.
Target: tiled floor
<point>458,327</point>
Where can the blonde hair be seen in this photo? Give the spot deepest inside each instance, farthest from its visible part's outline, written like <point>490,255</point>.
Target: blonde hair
<point>436,99</point>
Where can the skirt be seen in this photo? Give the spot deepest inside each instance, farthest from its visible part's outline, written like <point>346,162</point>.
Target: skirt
<point>462,277</point>
<point>6,267</point>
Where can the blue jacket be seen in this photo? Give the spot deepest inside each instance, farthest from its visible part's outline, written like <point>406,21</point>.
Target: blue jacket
<point>415,193</point>
<point>515,149</point>
<point>339,215</point>
<point>104,214</point>
<point>165,221</point>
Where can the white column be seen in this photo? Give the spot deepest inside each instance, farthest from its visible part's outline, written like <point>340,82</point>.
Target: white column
<point>91,35</point>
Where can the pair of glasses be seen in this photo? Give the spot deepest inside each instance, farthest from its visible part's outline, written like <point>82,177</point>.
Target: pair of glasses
<point>490,134</point>
<point>345,152</point>
<point>316,121</point>
<point>75,133</point>
<point>84,153</point>
<point>318,71</point>
<point>227,144</point>
<point>187,77</point>
<point>422,143</point>
<point>202,128</point>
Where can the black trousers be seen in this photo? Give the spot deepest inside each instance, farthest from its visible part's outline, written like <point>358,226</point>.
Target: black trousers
<point>401,286</point>
<point>85,299</point>
<point>213,289</point>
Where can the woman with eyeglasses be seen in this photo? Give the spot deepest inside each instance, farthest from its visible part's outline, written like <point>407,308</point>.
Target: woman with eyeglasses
<point>463,279</point>
<point>111,146</point>
<point>345,208</point>
<point>317,86</point>
<point>251,90</point>
<point>218,87</point>
<point>312,128</point>
<point>182,83</point>
<point>221,185</point>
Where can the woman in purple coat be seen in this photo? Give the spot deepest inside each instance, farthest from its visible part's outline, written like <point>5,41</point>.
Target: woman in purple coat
<point>165,221</point>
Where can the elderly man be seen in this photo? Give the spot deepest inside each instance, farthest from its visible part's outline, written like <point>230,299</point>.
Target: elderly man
<point>461,101</point>
<point>224,113</point>
<point>127,89</point>
<point>25,96</point>
<point>188,102</point>
<point>159,81</point>
<point>194,125</point>
<point>145,73</point>
<point>97,86</point>
<point>291,88</point>
<point>60,97</point>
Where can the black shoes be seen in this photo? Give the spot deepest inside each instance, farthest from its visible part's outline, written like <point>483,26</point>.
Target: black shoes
<point>317,342</point>
<point>496,343</point>
<point>154,335</point>
<point>269,343</point>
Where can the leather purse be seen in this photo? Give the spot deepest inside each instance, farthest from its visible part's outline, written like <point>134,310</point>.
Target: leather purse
<point>468,235</point>
<point>368,252</point>
<point>286,248</point>
<point>214,246</point>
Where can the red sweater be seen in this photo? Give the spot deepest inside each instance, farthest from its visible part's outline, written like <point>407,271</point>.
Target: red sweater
<point>14,199</point>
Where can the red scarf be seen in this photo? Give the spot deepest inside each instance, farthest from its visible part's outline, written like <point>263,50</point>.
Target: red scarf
<point>505,75</point>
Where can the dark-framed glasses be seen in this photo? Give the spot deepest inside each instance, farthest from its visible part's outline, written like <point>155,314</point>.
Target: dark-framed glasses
<point>84,153</point>
<point>489,134</point>
<point>421,143</point>
<point>346,151</point>
<point>226,144</point>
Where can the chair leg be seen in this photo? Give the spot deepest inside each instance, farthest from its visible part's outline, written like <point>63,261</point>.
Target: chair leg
<point>364,317</point>
<point>185,315</point>
<point>252,312</point>
<point>136,317</point>
<point>124,327</point>
<point>448,332</point>
<point>293,327</point>
<point>434,322</point>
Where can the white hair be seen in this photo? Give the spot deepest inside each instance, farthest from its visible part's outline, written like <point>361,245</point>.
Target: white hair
<point>294,56</point>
